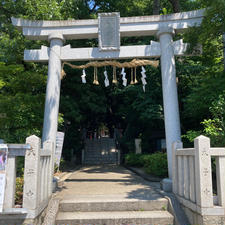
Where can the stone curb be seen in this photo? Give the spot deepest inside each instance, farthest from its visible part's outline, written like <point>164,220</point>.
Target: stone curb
<point>64,176</point>
<point>52,211</point>
<point>53,206</point>
<point>144,175</point>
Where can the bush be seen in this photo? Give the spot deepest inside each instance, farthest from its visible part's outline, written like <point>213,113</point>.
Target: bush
<point>135,160</point>
<point>155,164</point>
<point>19,190</point>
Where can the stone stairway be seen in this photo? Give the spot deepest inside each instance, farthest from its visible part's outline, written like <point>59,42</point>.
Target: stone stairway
<point>110,195</point>
<point>100,151</point>
<point>114,211</point>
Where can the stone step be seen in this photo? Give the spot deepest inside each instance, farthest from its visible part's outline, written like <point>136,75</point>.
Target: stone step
<point>100,158</point>
<point>100,153</point>
<point>115,218</point>
<point>96,158</point>
<point>100,161</point>
<point>103,160</point>
<point>113,204</point>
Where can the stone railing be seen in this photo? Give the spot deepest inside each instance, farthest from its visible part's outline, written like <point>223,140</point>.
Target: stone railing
<point>192,177</point>
<point>38,176</point>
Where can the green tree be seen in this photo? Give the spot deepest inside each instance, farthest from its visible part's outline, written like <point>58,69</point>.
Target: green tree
<point>209,84</point>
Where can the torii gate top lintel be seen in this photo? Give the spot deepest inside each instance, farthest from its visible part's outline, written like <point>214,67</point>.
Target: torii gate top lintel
<point>129,26</point>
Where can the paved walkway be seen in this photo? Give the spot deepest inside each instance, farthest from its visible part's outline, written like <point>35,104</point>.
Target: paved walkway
<point>107,182</point>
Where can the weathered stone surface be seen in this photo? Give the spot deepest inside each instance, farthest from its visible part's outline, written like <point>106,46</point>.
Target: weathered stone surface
<point>166,185</point>
<point>31,174</point>
<point>51,212</point>
<point>129,26</point>
<point>176,145</point>
<point>53,89</point>
<point>110,195</point>
<point>170,98</point>
<point>196,218</point>
<point>203,181</point>
<point>117,218</point>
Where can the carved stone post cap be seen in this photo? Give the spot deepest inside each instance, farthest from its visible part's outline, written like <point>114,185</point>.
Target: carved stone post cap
<point>56,36</point>
<point>202,141</point>
<point>165,30</point>
<point>202,137</point>
<point>32,138</point>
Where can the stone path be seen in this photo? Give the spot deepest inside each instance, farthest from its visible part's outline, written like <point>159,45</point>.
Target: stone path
<point>110,195</point>
<point>106,182</point>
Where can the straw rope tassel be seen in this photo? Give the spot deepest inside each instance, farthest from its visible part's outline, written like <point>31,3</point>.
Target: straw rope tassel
<point>94,81</point>
<point>114,75</point>
<point>135,75</point>
<point>132,76</point>
<point>95,76</point>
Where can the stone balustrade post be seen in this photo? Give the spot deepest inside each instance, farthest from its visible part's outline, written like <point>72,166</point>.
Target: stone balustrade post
<point>53,88</point>
<point>9,199</point>
<point>176,145</point>
<point>203,174</point>
<point>31,174</point>
<point>49,145</point>
<point>169,86</point>
<point>220,178</point>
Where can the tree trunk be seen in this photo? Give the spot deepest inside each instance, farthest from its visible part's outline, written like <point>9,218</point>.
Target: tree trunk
<point>175,5</point>
<point>156,7</point>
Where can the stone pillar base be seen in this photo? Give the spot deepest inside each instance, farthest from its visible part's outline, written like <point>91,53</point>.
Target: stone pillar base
<point>166,185</point>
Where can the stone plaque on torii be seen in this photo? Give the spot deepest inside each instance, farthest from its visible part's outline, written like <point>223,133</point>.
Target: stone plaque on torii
<point>162,26</point>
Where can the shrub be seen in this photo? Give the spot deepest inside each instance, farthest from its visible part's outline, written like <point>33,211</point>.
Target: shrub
<point>133,159</point>
<point>19,190</point>
<point>155,164</point>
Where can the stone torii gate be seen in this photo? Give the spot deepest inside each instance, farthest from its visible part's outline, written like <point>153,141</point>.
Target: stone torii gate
<point>162,26</point>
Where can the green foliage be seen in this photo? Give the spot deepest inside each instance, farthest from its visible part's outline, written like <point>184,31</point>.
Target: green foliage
<point>22,102</point>
<point>203,109</point>
<point>155,164</point>
<point>215,128</point>
<point>19,190</point>
<point>135,160</point>
<point>189,137</point>
<point>62,165</point>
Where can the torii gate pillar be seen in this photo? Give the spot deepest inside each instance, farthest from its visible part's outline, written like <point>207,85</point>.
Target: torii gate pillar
<point>53,88</point>
<point>169,86</point>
